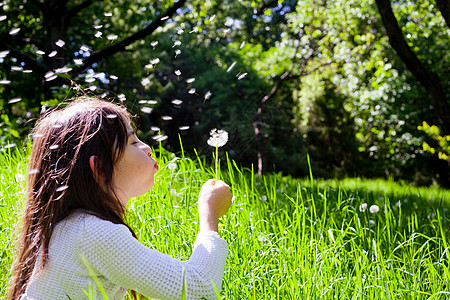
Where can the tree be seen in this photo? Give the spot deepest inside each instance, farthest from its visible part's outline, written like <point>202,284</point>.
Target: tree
<point>427,78</point>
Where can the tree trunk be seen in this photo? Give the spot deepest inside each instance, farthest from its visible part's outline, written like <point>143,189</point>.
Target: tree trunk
<point>444,7</point>
<point>427,78</point>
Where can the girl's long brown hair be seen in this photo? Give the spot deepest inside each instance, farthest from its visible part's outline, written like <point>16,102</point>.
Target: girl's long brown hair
<point>60,179</point>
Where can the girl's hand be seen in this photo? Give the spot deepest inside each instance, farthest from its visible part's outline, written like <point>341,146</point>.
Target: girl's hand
<point>214,202</point>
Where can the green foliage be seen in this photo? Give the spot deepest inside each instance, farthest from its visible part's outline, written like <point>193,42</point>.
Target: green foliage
<point>287,237</point>
<point>443,142</point>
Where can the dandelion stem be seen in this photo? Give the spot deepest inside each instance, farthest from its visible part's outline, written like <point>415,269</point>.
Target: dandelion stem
<point>217,161</point>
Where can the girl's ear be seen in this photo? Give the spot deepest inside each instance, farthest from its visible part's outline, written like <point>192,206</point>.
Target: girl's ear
<point>93,163</point>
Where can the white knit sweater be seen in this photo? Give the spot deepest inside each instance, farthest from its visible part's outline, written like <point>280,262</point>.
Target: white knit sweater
<point>121,262</point>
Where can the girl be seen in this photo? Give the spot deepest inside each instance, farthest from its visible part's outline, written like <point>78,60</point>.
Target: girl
<point>86,163</point>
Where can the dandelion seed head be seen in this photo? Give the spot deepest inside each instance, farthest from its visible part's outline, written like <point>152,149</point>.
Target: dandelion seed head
<point>374,209</point>
<point>363,207</point>
<point>172,166</point>
<point>218,138</point>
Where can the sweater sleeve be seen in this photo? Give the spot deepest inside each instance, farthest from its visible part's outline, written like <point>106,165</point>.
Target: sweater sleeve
<point>115,254</point>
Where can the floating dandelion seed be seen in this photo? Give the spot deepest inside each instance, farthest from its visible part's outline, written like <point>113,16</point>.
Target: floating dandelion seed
<point>98,34</point>
<point>145,81</point>
<point>154,128</point>
<point>152,102</point>
<point>177,72</point>
<point>57,126</point>
<point>191,91</point>
<point>207,96</point>
<point>154,43</point>
<point>218,138</point>
<point>5,81</point>
<point>49,74</point>
<point>53,53</point>
<point>190,80</point>
<point>14,100</point>
<point>3,54</point>
<point>166,118</point>
<point>160,137</point>
<point>63,70</point>
<point>111,116</point>
<point>33,171</point>
<point>183,128</point>
<point>374,209</point>
<point>146,110</point>
<point>85,48</point>
<point>363,207</point>
<point>112,37</point>
<point>180,31</point>
<point>10,146</point>
<point>40,52</point>
<point>62,188</point>
<point>15,68</point>
<point>27,71</point>
<point>53,147</point>
<point>78,61</point>
<point>113,77</point>
<point>60,43</point>
<point>142,101</point>
<point>177,101</point>
<point>108,14</point>
<point>177,52</point>
<point>51,78</point>
<point>122,97</point>
<point>176,43</point>
<point>3,18</point>
<point>212,18</point>
<point>98,26</point>
<point>242,76</point>
<point>37,135</point>
<point>92,87</point>
<point>164,18</point>
<point>155,61</point>
<point>231,67</point>
<point>14,31</point>
<point>242,45</point>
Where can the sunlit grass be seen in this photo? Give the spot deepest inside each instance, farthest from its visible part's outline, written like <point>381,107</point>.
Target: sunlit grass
<point>288,238</point>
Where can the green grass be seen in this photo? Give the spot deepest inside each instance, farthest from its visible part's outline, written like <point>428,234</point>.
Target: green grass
<point>288,238</point>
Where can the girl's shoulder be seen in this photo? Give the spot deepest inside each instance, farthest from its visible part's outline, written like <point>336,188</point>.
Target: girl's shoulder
<point>87,223</point>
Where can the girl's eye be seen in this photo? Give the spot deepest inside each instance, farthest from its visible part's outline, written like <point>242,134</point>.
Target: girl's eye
<point>134,143</point>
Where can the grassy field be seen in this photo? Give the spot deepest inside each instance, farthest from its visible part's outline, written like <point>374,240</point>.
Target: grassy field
<point>288,238</point>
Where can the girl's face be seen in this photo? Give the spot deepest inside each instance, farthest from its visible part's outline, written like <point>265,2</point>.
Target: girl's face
<point>134,173</point>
